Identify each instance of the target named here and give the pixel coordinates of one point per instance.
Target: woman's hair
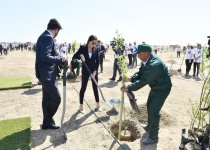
(91, 38)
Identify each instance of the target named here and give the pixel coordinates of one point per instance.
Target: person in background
(208, 55)
(134, 64)
(75, 64)
(153, 72)
(107, 47)
(101, 54)
(63, 49)
(116, 68)
(178, 51)
(5, 48)
(89, 55)
(197, 60)
(129, 53)
(155, 49)
(1, 48)
(46, 63)
(188, 59)
(69, 48)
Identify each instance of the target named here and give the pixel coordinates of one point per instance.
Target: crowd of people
(5, 47)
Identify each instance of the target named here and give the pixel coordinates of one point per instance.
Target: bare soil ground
(84, 132)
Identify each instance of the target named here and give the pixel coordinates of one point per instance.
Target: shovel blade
(132, 101)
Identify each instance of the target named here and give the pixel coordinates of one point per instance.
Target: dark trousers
(196, 67)
(178, 54)
(155, 102)
(134, 64)
(130, 59)
(115, 69)
(50, 101)
(188, 63)
(155, 51)
(5, 51)
(1, 51)
(59, 70)
(101, 61)
(85, 78)
(101, 66)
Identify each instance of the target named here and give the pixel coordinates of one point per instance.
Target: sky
(160, 22)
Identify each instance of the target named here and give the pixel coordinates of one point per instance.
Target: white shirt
(189, 53)
(130, 47)
(63, 49)
(5, 45)
(90, 55)
(134, 48)
(178, 49)
(197, 55)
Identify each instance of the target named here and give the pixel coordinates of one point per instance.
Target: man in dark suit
(46, 67)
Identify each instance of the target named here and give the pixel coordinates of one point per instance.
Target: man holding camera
(154, 73)
(46, 65)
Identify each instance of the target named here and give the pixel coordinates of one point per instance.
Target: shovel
(133, 103)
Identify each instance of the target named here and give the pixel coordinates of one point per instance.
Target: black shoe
(120, 79)
(149, 141)
(113, 79)
(54, 127)
(52, 121)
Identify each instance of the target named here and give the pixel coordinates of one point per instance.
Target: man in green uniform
(154, 73)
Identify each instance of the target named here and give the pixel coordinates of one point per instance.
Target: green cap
(143, 48)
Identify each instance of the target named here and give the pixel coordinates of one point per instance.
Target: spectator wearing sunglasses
(89, 55)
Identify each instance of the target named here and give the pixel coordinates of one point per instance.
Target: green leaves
(74, 45)
(123, 65)
(198, 116)
(118, 42)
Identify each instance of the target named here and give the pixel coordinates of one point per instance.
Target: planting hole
(130, 131)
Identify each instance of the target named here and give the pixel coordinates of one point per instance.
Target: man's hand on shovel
(124, 89)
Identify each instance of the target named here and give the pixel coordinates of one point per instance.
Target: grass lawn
(15, 82)
(15, 134)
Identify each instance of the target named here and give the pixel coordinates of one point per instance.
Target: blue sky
(153, 21)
